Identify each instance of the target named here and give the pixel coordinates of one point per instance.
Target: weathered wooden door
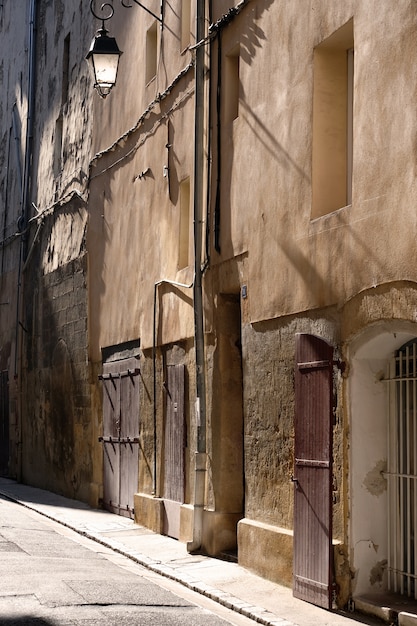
(174, 444)
(4, 423)
(120, 435)
(313, 471)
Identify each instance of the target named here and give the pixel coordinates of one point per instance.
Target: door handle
(295, 481)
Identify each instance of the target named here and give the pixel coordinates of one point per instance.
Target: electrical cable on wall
(142, 118)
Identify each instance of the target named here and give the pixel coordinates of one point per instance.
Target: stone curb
(257, 614)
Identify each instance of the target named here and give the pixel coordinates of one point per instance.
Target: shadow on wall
(56, 403)
(251, 39)
(252, 36)
(25, 620)
(322, 275)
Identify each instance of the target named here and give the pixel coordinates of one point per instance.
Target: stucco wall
(269, 148)
(134, 231)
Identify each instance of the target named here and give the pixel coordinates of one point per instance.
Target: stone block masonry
(57, 407)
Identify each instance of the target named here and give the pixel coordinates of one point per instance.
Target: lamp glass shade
(104, 59)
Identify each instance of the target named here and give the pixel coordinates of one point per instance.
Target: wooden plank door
(174, 443)
(111, 434)
(129, 437)
(313, 569)
(120, 435)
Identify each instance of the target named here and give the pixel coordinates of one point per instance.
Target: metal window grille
(402, 471)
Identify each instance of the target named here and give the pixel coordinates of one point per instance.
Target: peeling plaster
(377, 572)
(375, 481)
(66, 240)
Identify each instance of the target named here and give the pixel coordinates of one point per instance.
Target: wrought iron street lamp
(104, 52)
(104, 55)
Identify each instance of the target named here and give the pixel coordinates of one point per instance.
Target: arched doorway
(373, 407)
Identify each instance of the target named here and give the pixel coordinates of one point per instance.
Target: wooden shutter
(174, 446)
(313, 471)
(174, 434)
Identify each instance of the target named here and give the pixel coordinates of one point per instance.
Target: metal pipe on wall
(199, 167)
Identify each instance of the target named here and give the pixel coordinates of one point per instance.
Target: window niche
(184, 230)
(151, 52)
(65, 69)
(332, 152)
(58, 162)
(185, 24)
(232, 86)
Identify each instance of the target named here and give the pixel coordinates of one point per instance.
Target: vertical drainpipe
(200, 405)
(25, 200)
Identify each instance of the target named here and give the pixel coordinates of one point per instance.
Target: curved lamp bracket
(105, 5)
(126, 5)
(129, 6)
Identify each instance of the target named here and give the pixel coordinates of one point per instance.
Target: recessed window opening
(332, 152)
(349, 126)
(184, 234)
(58, 146)
(402, 472)
(65, 69)
(151, 52)
(185, 23)
(232, 84)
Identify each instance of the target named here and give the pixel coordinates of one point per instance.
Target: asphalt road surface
(51, 576)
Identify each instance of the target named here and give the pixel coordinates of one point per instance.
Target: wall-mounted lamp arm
(129, 6)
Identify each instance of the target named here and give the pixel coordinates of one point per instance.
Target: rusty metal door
(4, 423)
(174, 445)
(120, 435)
(313, 569)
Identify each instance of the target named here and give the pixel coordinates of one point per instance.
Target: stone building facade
(45, 121)
(208, 294)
